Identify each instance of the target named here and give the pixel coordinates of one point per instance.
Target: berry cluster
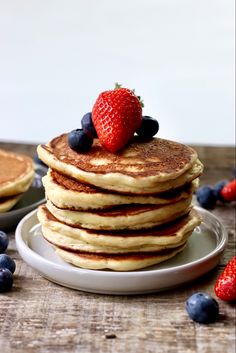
(115, 117)
(223, 191)
(7, 265)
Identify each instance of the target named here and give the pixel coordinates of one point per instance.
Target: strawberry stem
(141, 101)
(118, 85)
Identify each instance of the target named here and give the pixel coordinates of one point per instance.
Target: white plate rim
(21, 244)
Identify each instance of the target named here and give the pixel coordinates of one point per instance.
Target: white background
(56, 56)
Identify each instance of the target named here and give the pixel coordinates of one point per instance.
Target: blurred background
(56, 56)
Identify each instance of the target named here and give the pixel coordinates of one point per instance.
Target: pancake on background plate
(7, 203)
(16, 176)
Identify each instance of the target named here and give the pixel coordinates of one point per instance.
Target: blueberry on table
(79, 140)
(6, 280)
(87, 124)
(217, 189)
(148, 128)
(4, 241)
(7, 262)
(206, 197)
(202, 308)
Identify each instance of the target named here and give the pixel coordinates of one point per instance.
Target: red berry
(229, 191)
(116, 115)
(225, 287)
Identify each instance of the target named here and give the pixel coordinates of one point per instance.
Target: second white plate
(201, 254)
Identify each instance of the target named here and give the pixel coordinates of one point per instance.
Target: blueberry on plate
(6, 280)
(7, 262)
(87, 124)
(4, 241)
(148, 128)
(79, 140)
(217, 189)
(206, 197)
(202, 308)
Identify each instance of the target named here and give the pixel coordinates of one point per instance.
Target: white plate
(202, 253)
(31, 199)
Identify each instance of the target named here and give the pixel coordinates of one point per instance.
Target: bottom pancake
(7, 203)
(118, 262)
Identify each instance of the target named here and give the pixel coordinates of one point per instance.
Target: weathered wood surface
(39, 316)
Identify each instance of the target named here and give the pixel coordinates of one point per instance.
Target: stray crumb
(110, 335)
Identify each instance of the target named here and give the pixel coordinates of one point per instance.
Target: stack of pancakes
(122, 211)
(16, 175)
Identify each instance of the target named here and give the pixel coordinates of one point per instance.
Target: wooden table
(40, 316)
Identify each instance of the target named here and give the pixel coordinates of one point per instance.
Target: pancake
(123, 217)
(71, 244)
(117, 262)
(7, 203)
(65, 192)
(123, 211)
(16, 173)
(143, 167)
(139, 249)
(166, 235)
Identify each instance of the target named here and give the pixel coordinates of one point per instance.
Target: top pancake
(16, 173)
(138, 168)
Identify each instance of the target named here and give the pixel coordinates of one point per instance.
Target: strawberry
(116, 115)
(225, 287)
(229, 191)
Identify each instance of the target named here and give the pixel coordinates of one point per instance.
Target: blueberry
(79, 141)
(202, 308)
(206, 197)
(148, 128)
(7, 262)
(4, 241)
(6, 280)
(217, 189)
(87, 124)
(37, 160)
(234, 172)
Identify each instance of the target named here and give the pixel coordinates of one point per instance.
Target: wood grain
(38, 316)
